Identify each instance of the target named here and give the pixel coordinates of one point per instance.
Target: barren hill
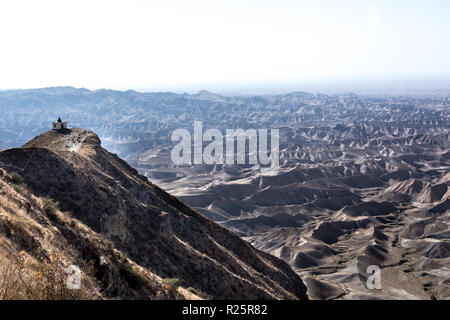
(63, 195)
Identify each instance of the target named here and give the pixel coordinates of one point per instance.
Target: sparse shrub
(49, 205)
(133, 278)
(17, 188)
(173, 283)
(108, 243)
(16, 178)
(192, 290)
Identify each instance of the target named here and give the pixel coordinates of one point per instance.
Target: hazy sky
(192, 44)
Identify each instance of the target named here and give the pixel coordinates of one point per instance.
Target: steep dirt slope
(111, 215)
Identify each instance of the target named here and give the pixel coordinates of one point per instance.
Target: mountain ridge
(155, 231)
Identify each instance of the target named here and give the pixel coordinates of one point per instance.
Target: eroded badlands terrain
(363, 180)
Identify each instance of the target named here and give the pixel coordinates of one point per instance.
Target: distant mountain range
(131, 121)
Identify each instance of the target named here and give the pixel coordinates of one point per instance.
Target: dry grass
(49, 206)
(35, 255)
(23, 276)
(23, 279)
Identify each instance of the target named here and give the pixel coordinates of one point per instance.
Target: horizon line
(341, 86)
